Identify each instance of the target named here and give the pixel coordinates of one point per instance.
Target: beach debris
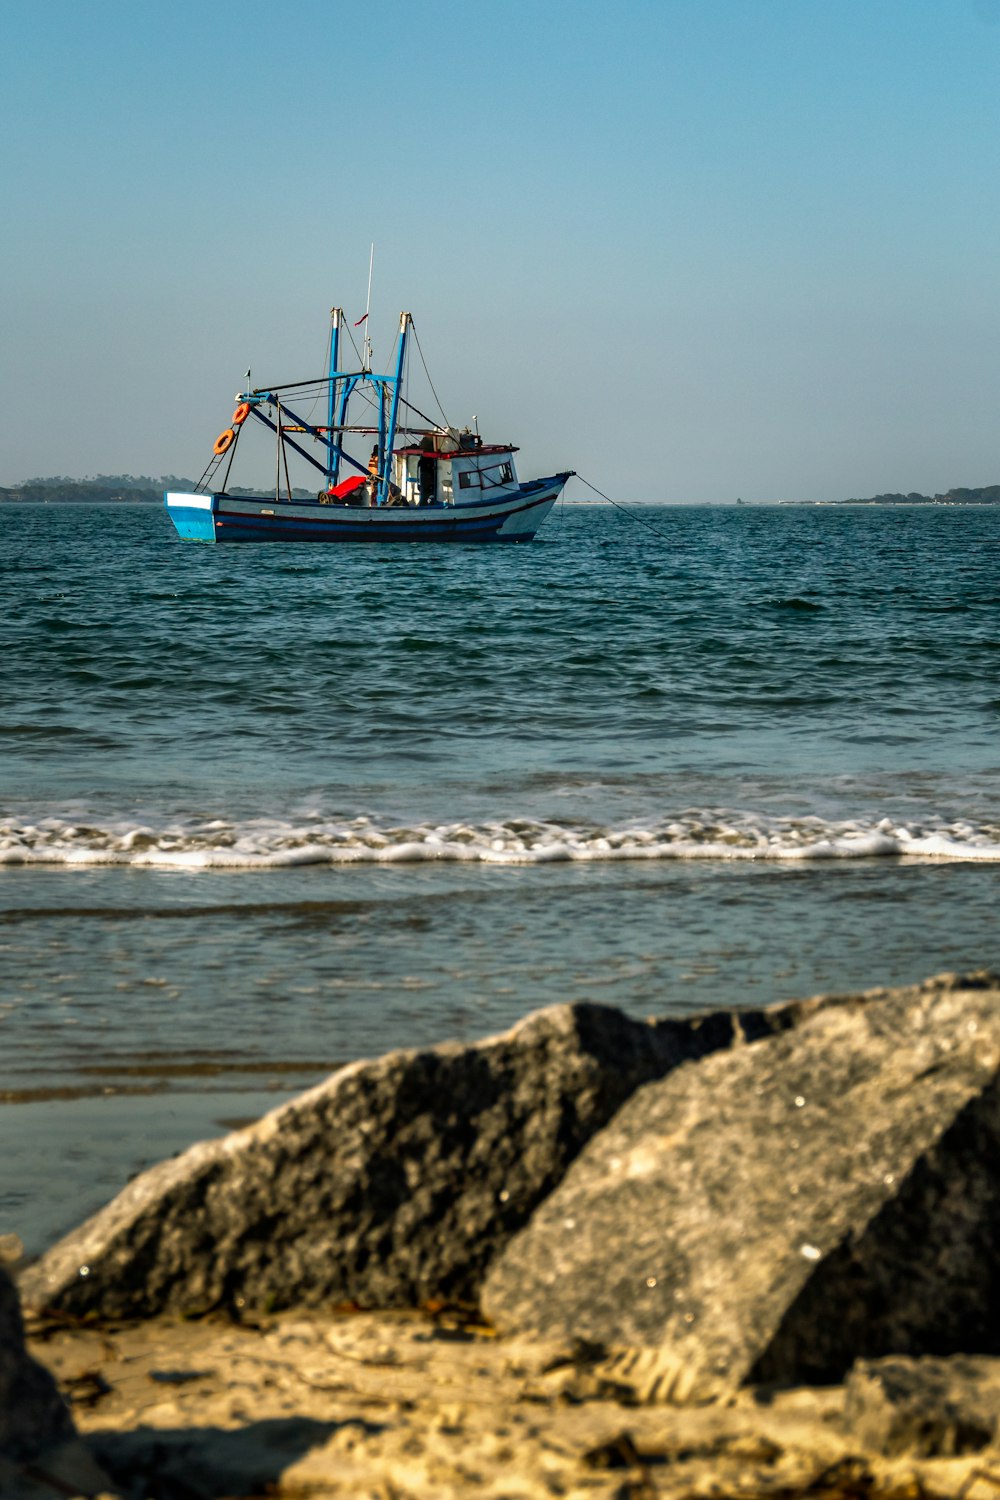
(86, 1388)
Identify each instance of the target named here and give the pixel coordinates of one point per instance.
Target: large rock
(930, 1408)
(32, 1413)
(395, 1181)
(772, 1212)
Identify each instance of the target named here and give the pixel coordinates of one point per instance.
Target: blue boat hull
(256, 518)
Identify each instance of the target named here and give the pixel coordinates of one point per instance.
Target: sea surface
(265, 809)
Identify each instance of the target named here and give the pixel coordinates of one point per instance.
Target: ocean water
(265, 809)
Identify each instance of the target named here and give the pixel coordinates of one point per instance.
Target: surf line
(624, 509)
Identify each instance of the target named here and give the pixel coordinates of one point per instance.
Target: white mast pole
(368, 308)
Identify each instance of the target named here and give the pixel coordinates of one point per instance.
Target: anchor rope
(624, 508)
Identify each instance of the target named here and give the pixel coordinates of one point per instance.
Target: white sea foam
(710, 834)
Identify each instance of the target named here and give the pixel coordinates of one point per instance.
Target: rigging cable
(427, 372)
(320, 391)
(630, 513)
(350, 334)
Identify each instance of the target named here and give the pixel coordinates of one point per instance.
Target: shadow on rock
(208, 1463)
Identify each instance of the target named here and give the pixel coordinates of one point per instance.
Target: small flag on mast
(360, 321)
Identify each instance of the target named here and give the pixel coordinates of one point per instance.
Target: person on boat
(370, 494)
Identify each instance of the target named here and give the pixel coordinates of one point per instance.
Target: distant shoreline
(127, 489)
(887, 504)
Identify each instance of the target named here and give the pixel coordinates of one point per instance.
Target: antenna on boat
(368, 308)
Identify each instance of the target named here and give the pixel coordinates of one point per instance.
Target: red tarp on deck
(348, 486)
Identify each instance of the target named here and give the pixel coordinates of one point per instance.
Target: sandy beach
(428, 1404)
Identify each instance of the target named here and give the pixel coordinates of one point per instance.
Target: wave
(697, 834)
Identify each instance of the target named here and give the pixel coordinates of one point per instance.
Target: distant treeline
(102, 490)
(989, 494)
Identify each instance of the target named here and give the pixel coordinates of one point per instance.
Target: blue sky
(693, 249)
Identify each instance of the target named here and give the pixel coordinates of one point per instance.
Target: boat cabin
(449, 466)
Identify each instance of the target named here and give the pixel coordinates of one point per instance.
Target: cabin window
(506, 473)
(467, 481)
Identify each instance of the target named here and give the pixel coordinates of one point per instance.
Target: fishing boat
(421, 481)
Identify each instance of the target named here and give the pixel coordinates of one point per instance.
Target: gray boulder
(395, 1181)
(32, 1413)
(772, 1212)
(929, 1408)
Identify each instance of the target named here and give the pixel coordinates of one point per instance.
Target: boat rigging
(421, 480)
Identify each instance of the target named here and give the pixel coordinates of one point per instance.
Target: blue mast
(332, 449)
(340, 385)
(386, 440)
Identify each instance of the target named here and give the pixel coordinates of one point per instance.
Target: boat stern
(193, 515)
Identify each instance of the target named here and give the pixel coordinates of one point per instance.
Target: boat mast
(277, 452)
(387, 439)
(332, 453)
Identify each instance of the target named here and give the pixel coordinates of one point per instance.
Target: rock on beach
(396, 1181)
(773, 1212)
(935, 1408)
(32, 1413)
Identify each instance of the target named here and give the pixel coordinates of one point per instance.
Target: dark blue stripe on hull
(285, 529)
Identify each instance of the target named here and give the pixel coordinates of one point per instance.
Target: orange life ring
(224, 441)
(241, 413)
